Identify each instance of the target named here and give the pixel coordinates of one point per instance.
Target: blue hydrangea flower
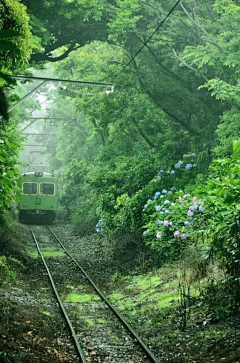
(157, 195)
(99, 230)
(159, 178)
(166, 201)
(100, 222)
(193, 155)
(186, 223)
(183, 236)
(195, 206)
(166, 211)
(190, 213)
(177, 166)
(201, 209)
(158, 208)
(159, 222)
(188, 166)
(172, 171)
(164, 191)
(159, 234)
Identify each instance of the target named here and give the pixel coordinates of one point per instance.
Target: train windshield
(30, 188)
(47, 188)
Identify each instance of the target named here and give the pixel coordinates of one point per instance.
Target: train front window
(30, 188)
(47, 188)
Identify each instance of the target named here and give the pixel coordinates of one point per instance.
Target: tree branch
(212, 41)
(155, 99)
(149, 142)
(99, 132)
(188, 65)
(165, 70)
(42, 57)
(204, 77)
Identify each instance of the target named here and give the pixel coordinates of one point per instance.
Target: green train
(39, 198)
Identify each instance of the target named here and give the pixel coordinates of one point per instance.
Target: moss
(46, 313)
(102, 321)
(144, 282)
(33, 254)
(54, 254)
(116, 296)
(47, 252)
(89, 322)
(81, 298)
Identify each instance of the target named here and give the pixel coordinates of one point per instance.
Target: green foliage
(126, 15)
(227, 132)
(9, 149)
(222, 205)
(15, 35)
(15, 51)
(57, 29)
(6, 275)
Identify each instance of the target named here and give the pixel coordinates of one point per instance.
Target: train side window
(47, 188)
(29, 188)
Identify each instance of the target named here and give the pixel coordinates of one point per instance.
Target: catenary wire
(149, 38)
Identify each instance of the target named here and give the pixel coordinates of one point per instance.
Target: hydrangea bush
(131, 213)
(170, 221)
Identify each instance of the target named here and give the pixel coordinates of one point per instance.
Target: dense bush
(222, 210)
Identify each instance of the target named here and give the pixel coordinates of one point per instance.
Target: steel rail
(148, 352)
(77, 345)
(5, 359)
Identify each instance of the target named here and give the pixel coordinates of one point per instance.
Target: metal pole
(33, 145)
(26, 96)
(96, 84)
(30, 133)
(31, 123)
(22, 99)
(43, 118)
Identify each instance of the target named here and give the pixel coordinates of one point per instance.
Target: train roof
(42, 174)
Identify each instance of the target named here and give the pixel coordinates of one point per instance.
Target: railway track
(99, 332)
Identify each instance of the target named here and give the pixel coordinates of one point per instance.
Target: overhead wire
(149, 38)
